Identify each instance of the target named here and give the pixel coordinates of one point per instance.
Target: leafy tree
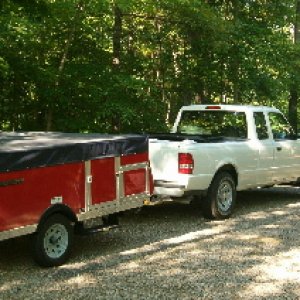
(127, 66)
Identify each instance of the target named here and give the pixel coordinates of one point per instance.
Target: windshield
(213, 123)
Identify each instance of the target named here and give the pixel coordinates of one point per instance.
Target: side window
(281, 129)
(261, 126)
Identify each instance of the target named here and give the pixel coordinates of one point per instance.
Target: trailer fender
(58, 209)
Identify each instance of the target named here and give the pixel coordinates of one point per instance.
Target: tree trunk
(62, 63)
(117, 35)
(116, 56)
(236, 61)
(293, 101)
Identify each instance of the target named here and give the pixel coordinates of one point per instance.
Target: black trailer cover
(23, 150)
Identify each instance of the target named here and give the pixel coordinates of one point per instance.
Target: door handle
(278, 148)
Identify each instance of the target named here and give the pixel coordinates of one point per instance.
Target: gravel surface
(169, 251)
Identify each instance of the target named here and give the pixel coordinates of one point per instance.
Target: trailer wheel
(221, 197)
(53, 241)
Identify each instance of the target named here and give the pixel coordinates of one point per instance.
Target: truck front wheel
(221, 197)
(53, 240)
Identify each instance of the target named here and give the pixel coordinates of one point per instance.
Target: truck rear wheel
(221, 197)
(53, 241)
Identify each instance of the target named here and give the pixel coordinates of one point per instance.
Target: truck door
(285, 148)
(265, 147)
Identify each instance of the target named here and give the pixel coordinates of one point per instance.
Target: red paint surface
(134, 158)
(134, 182)
(24, 203)
(104, 180)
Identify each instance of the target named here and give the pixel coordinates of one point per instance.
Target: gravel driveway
(169, 251)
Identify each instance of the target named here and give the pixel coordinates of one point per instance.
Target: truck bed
(178, 137)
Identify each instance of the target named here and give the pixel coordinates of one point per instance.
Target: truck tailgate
(164, 159)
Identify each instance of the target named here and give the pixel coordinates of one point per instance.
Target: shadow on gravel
(169, 251)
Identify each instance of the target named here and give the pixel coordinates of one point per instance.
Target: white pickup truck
(215, 150)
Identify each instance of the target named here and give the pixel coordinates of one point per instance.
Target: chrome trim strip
(148, 170)
(115, 206)
(121, 203)
(119, 178)
(12, 233)
(88, 187)
(9, 182)
(131, 167)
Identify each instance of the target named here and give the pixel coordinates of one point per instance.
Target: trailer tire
(53, 241)
(221, 197)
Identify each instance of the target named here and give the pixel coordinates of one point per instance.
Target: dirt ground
(169, 251)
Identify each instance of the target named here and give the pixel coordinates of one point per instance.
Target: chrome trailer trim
(88, 182)
(12, 233)
(122, 202)
(114, 206)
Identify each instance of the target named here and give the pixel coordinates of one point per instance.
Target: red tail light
(185, 163)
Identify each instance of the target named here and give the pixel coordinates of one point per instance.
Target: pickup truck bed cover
(23, 150)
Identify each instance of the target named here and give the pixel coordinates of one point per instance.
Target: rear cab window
(214, 123)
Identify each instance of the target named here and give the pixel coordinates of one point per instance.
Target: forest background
(129, 65)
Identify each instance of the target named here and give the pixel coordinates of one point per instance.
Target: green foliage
(72, 65)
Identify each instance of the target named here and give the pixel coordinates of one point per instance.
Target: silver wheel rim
(225, 196)
(56, 241)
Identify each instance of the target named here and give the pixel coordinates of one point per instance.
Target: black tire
(53, 241)
(221, 197)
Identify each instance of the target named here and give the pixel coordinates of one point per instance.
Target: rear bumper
(173, 189)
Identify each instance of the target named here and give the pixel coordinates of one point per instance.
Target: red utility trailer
(53, 185)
